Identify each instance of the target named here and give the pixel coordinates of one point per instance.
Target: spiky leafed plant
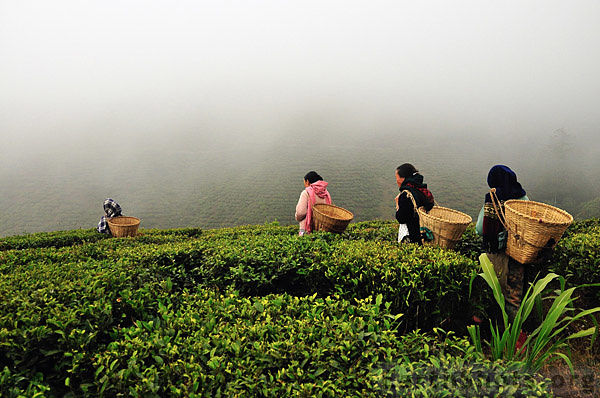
(545, 342)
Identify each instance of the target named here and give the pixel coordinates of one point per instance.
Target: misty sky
(184, 102)
(80, 73)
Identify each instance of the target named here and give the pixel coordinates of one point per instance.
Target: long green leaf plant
(545, 342)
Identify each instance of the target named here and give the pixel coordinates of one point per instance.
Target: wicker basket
(331, 218)
(530, 227)
(123, 226)
(447, 225)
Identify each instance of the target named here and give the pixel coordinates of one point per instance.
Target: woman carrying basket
(315, 192)
(412, 192)
(503, 186)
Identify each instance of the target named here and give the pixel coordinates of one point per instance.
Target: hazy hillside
(226, 182)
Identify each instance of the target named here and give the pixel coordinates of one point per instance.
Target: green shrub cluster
(232, 311)
(379, 231)
(427, 284)
(386, 232)
(227, 345)
(53, 318)
(582, 226)
(576, 256)
(60, 239)
(470, 243)
(234, 346)
(51, 239)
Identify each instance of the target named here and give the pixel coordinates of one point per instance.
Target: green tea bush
(60, 239)
(380, 231)
(582, 226)
(53, 316)
(385, 231)
(51, 239)
(452, 376)
(175, 232)
(101, 249)
(16, 385)
(470, 243)
(576, 256)
(228, 345)
(440, 364)
(271, 229)
(427, 284)
(300, 310)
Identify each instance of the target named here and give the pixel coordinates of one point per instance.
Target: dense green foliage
(51, 239)
(252, 309)
(576, 256)
(545, 342)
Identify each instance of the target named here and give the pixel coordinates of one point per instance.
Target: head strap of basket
(500, 211)
(412, 199)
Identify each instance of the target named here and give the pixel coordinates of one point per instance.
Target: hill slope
(248, 310)
(245, 182)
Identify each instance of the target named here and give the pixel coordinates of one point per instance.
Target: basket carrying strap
(310, 206)
(499, 211)
(412, 199)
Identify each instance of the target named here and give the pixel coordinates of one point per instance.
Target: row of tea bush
(184, 312)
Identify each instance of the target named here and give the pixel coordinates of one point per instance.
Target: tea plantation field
(253, 311)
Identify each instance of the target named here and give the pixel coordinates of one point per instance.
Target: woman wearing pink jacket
(315, 192)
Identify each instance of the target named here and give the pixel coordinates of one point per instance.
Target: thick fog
(164, 104)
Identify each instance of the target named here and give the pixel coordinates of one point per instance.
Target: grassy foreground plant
(544, 342)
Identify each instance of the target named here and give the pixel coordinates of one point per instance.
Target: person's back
(315, 192)
(412, 187)
(505, 185)
(512, 274)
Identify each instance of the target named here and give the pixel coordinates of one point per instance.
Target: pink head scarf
(315, 189)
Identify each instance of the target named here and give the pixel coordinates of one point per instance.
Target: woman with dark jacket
(410, 183)
(504, 181)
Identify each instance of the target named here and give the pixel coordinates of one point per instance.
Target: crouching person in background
(111, 209)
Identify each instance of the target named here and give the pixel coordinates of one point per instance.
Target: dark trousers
(516, 280)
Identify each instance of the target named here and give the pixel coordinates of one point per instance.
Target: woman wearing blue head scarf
(489, 225)
(504, 180)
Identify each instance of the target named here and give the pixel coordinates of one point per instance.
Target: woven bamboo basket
(531, 225)
(447, 225)
(123, 226)
(331, 218)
